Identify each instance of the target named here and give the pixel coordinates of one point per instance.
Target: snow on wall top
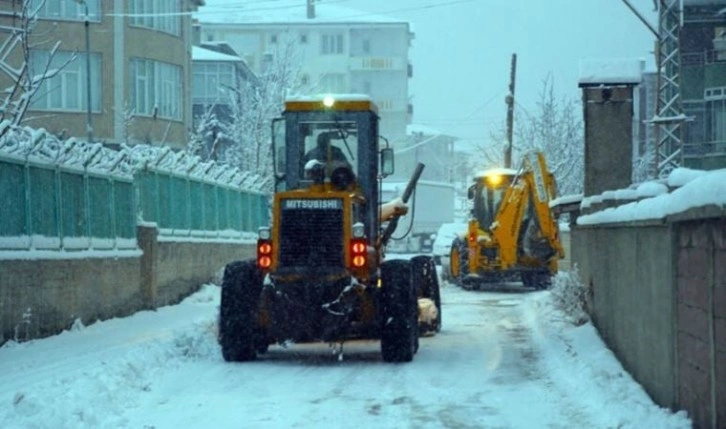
(201, 54)
(284, 12)
(612, 71)
(697, 190)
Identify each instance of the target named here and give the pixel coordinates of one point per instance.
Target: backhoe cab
(512, 233)
(320, 274)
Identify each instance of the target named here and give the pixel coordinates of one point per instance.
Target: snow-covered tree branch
(555, 128)
(16, 64)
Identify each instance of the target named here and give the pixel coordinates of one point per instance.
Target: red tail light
(358, 253)
(264, 254)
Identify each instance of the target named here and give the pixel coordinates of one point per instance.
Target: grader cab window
(327, 146)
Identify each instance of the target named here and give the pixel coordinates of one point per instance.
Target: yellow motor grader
(512, 233)
(320, 272)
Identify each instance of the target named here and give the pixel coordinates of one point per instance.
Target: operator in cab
(323, 149)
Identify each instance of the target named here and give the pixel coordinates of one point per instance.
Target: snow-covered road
(502, 360)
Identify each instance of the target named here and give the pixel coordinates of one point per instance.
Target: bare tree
(253, 109)
(16, 63)
(555, 128)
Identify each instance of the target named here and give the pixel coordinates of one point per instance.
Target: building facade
(140, 69)
(702, 41)
(331, 49)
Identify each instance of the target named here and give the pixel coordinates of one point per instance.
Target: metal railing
(71, 195)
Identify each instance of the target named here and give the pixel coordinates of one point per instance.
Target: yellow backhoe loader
(512, 234)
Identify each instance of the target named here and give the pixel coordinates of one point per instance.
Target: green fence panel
(100, 202)
(164, 188)
(210, 207)
(124, 205)
(196, 198)
(246, 213)
(148, 195)
(74, 218)
(179, 203)
(235, 211)
(12, 200)
(223, 208)
(43, 202)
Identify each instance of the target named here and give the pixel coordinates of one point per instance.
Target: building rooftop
(201, 54)
(284, 12)
(613, 71)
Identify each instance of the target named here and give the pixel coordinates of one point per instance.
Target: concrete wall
(629, 271)
(701, 320)
(658, 299)
(41, 297)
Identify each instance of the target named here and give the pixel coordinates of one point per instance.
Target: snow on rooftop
(201, 54)
(422, 129)
(611, 71)
(698, 190)
(337, 97)
(284, 12)
(500, 171)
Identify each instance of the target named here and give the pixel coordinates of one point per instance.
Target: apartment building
(702, 41)
(220, 78)
(333, 49)
(140, 68)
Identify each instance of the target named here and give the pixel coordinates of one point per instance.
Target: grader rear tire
(399, 331)
(238, 312)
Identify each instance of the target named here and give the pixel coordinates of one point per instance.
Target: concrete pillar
(147, 239)
(608, 137)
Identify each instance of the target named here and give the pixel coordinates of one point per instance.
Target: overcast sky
(462, 51)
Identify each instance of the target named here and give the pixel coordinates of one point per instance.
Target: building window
(304, 80)
(333, 82)
(303, 38)
(716, 113)
(273, 39)
(212, 82)
(367, 87)
(331, 44)
(67, 90)
(366, 46)
(156, 89)
(67, 9)
(161, 15)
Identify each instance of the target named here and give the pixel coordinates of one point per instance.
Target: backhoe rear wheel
(399, 331)
(426, 280)
(459, 261)
(538, 280)
(239, 334)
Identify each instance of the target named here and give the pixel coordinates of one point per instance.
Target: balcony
(377, 64)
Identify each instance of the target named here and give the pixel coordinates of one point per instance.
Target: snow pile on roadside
(88, 377)
(570, 296)
(576, 353)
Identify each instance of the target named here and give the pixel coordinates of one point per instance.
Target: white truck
(431, 206)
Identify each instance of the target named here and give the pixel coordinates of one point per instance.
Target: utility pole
(509, 100)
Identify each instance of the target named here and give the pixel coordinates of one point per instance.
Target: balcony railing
(703, 149)
(377, 63)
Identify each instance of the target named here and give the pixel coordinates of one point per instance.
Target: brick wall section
(719, 314)
(701, 307)
(694, 274)
(57, 291)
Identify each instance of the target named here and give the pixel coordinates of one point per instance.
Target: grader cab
(320, 272)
